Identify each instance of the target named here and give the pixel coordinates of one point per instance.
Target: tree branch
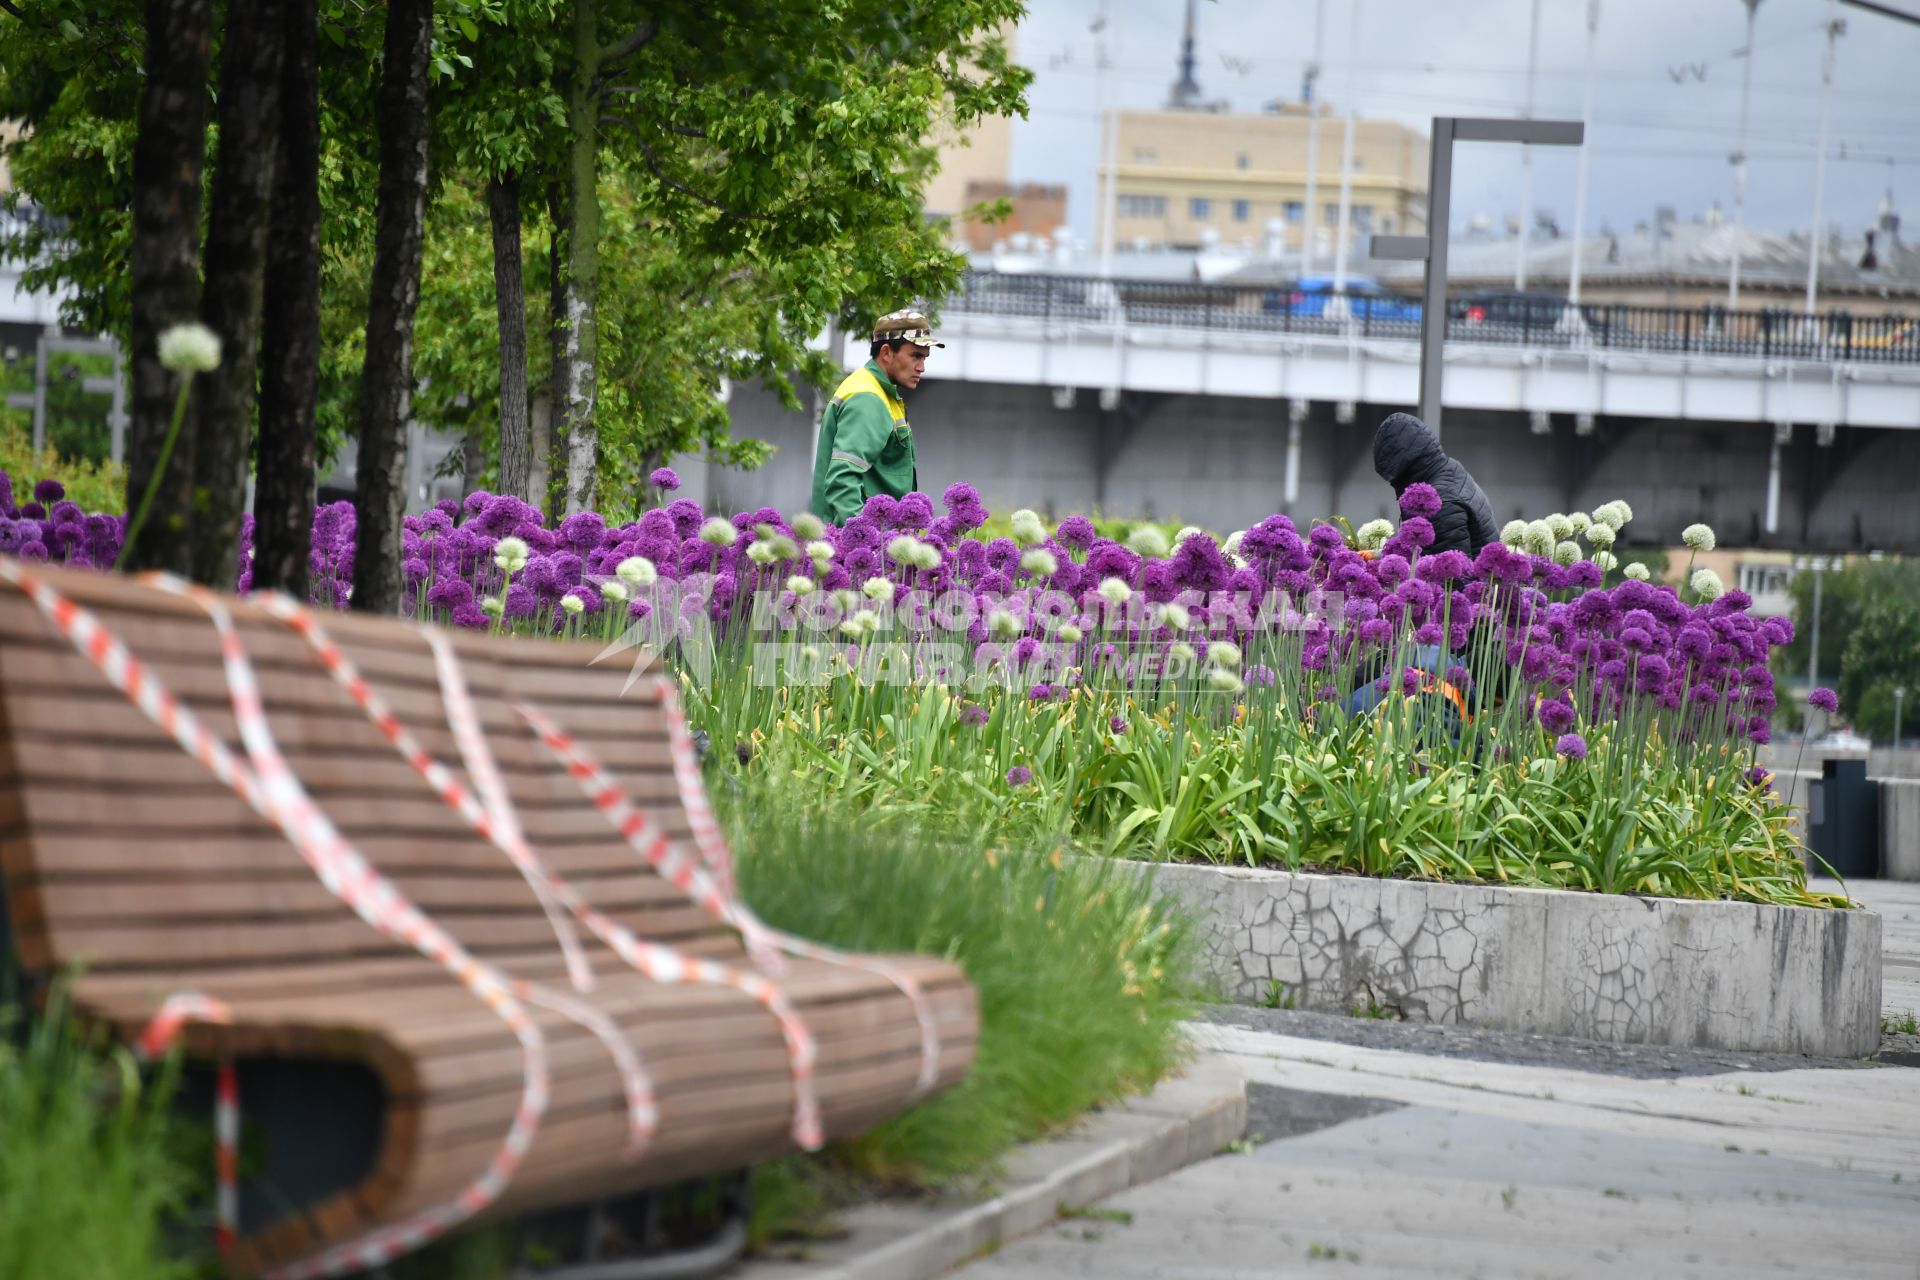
(659, 173)
(640, 38)
(13, 9)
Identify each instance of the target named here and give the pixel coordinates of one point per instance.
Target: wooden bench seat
(372, 1084)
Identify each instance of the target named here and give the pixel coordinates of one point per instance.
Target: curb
(1184, 1120)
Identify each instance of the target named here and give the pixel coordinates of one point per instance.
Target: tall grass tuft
(91, 1167)
(1083, 974)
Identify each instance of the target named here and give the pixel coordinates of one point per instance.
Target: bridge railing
(1513, 320)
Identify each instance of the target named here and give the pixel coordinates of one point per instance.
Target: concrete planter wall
(1723, 975)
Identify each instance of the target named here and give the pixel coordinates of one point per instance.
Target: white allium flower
(1707, 584)
(1040, 561)
(764, 531)
(800, 584)
(877, 589)
(1002, 622)
(1148, 541)
(1601, 535)
(926, 556)
(1224, 681)
(1114, 591)
(1540, 537)
(1186, 531)
(1514, 533)
(783, 548)
(1699, 537)
(1580, 521)
(1224, 653)
(1561, 526)
(614, 591)
(1606, 560)
(1176, 616)
(1373, 534)
(1028, 528)
(1182, 652)
(845, 600)
(863, 623)
(510, 554)
(1612, 514)
(718, 531)
(1069, 634)
(807, 526)
(1626, 512)
(1637, 571)
(761, 553)
(190, 348)
(572, 604)
(637, 571)
(1232, 545)
(493, 606)
(900, 549)
(1566, 553)
(819, 552)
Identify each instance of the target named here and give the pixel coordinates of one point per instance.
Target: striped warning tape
(670, 861)
(270, 789)
(661, 963)
(176, 1011)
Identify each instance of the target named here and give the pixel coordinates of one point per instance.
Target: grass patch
(1900, 1024)
(1082, 977)
(95, 1169)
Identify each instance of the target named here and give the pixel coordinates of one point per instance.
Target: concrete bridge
(1220, 404)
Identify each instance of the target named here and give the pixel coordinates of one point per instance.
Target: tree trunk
(290, 325)
(510, 306)
(583, 264)
(386, 381)
(559, 336)
(235, 266)
(165, 276)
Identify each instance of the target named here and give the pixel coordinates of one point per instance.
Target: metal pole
(1346, 156)
(1526, 154)
(1310, 213)
(1433, 309)
(1816, 238)
(1813, 639)
(1580, 183)
(117, 415)
(1740, 160)
(1109, 150)
(1899, 696)
(40, 389)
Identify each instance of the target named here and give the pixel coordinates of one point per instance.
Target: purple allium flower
(1759, 777)
(880, 509)
(450, 594)
(49, 490)
(33, 511)
(1410, 681)
(1824, 699)
(470, 617)
(1040, 692)
(960, 495)
(1019, 776)
(1326, 693)
(1420, 500)
(975, 714)
(1571, 745)
(915, 511)
(1076, 533)
(1117, 723)
(1260, 674)
(665, 478)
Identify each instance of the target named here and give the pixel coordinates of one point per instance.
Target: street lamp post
(1899, 696)
(1432, 247)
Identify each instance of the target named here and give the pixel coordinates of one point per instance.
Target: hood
(1405, 450)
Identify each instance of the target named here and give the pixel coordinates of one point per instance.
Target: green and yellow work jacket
(866, 446)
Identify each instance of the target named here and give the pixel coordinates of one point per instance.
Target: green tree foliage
(1869, 639)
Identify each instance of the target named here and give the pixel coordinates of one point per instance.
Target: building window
(1143, 206)
(1240, 161)
(1764, 579)
(1240, 210)
(1291, 210)
(1363, 217)
(1199, 208)
(1330, 214)
(1144, 155)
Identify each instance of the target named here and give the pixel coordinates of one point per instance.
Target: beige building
(1182, 174)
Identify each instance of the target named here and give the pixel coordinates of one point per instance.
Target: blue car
(1366, 300)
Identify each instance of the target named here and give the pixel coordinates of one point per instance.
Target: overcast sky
(1666, 97)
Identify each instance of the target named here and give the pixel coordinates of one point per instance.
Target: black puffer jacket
(1405, 452)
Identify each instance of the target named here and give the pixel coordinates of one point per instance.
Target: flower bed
(1320, 699)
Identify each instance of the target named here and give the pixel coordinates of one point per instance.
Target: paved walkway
(1385, 1162)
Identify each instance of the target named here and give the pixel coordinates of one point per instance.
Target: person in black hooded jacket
(1406, 452)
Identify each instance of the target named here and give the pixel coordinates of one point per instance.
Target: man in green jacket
(866, 444)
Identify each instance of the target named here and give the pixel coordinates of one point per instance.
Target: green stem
(159, 470)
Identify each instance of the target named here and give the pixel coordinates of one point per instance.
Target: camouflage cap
(908, 325)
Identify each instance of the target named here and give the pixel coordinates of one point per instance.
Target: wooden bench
(374, 1086)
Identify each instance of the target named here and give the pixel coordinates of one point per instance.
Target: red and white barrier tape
(270, 789)
(652, 845)
(161, 1031)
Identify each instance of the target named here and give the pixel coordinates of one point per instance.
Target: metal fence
(1505, 319)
